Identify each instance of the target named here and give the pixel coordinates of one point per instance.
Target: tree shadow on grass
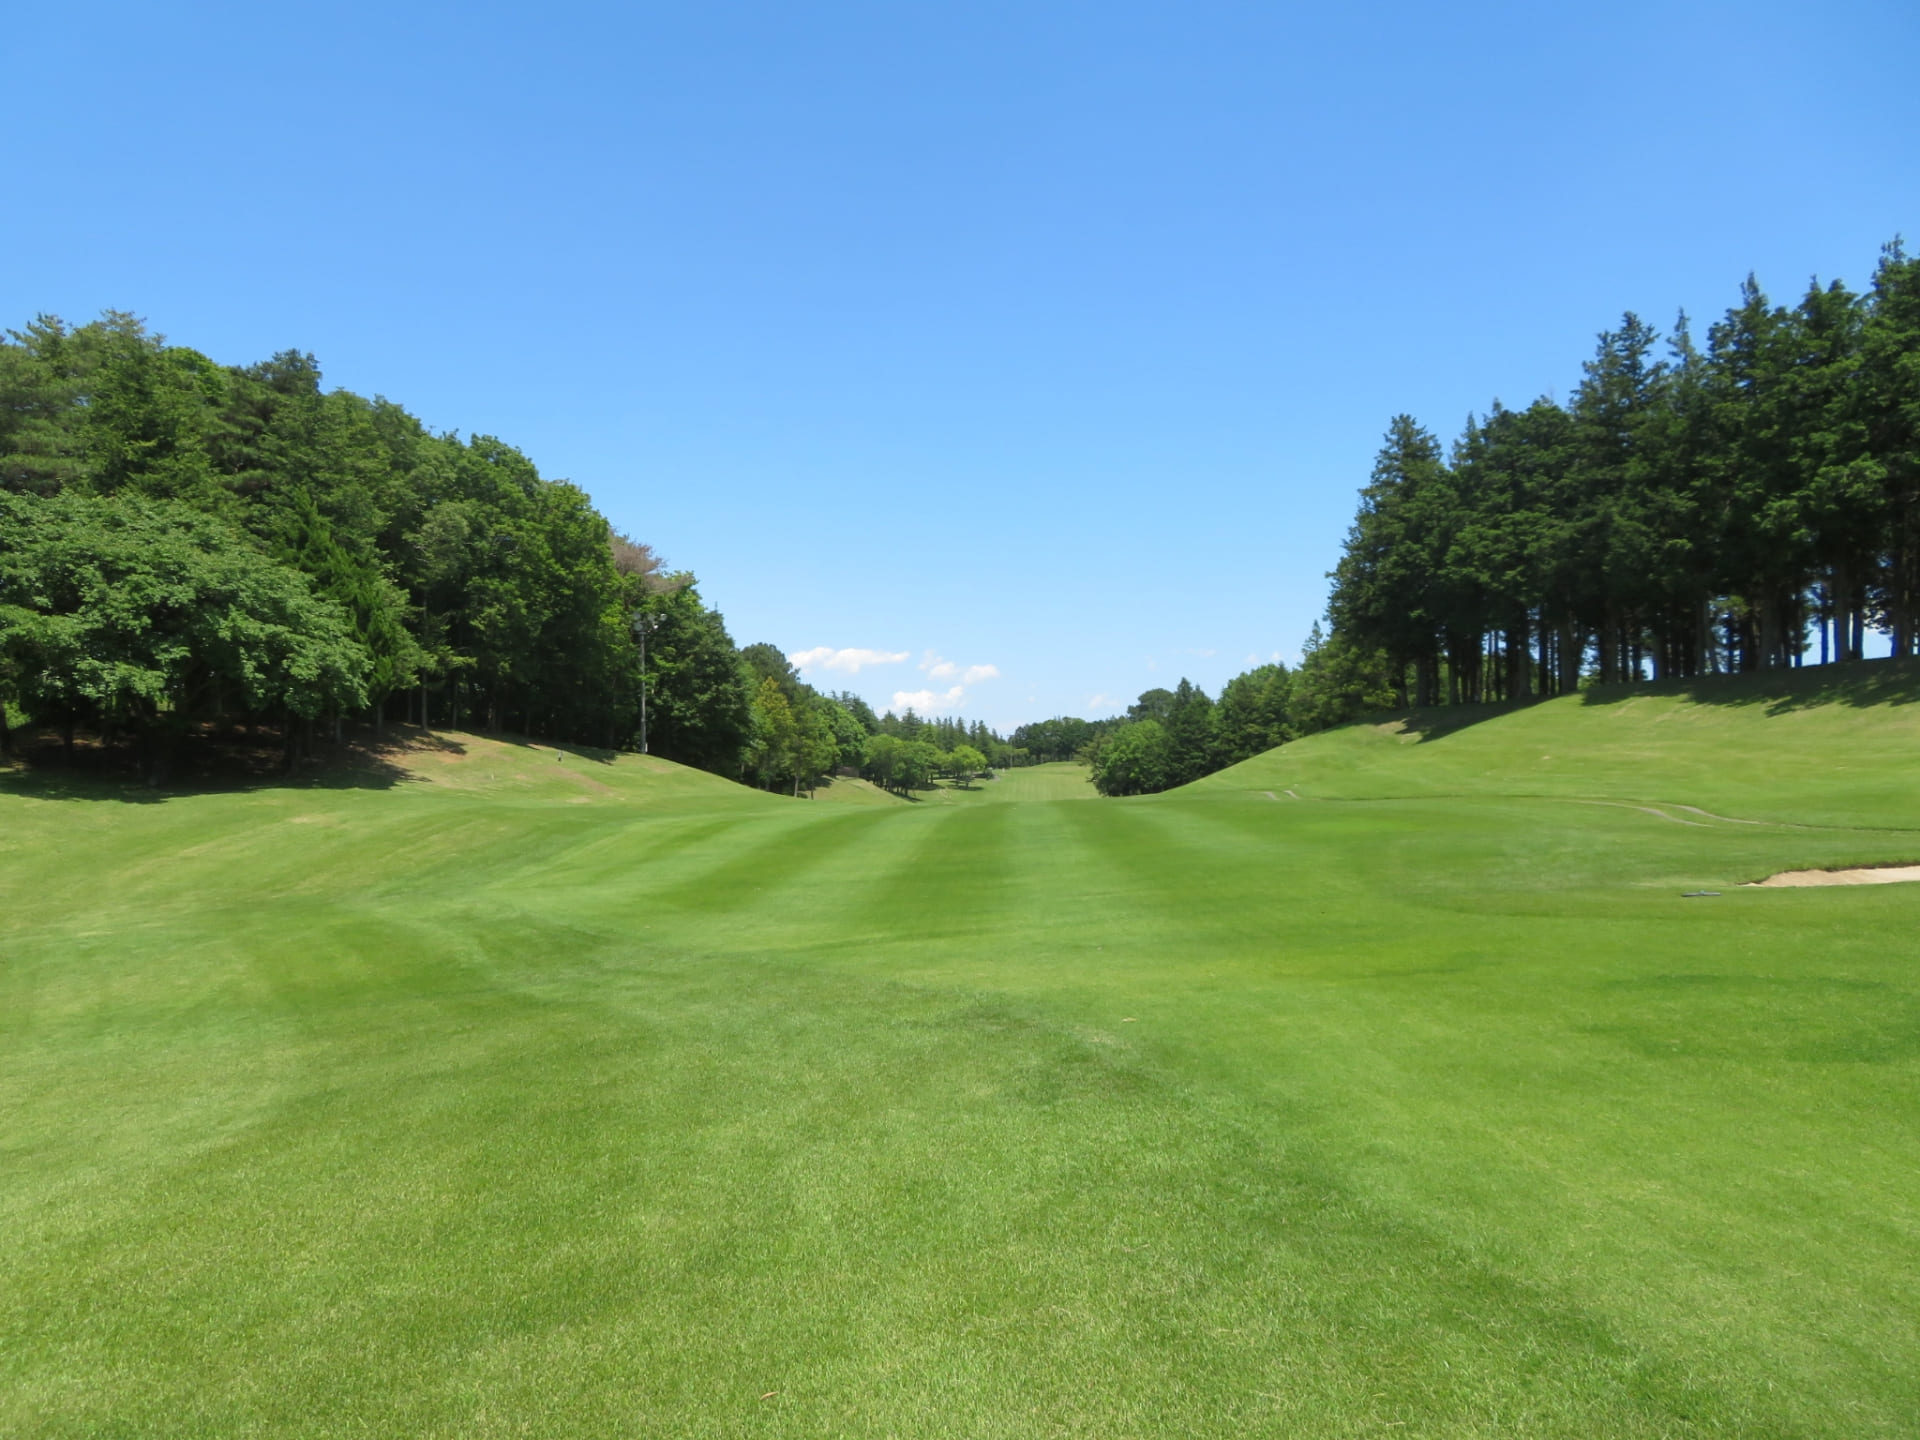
(1859, 684)
(212, 763)
(1436, 724)
(1856, 683)
(591, 753)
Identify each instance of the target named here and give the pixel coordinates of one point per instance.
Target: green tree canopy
(141, 616)
(1134, 759)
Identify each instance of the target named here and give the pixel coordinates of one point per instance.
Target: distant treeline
(1722, 509)
(188, 547)
(1171, 737)
(801, 736)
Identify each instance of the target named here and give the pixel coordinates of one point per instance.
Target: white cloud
(850, 662)
(1099, 702)
(927, 702)
(938, 667)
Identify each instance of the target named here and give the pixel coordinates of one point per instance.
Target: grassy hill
(1384, 1084)
(1829, 745)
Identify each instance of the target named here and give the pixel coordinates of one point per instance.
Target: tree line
(1689, 510)
(802, 736)
(1172, 737)
(1707, 509)
(189, 547)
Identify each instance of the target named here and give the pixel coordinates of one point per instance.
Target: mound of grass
(1827, 745)
(510, 1091)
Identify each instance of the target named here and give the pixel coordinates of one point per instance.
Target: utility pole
(642, 627)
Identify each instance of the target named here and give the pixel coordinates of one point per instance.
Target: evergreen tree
(1191, 737)
(1253, 713)
(1889, 411)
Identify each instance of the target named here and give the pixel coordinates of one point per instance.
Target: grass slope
(495, 1090)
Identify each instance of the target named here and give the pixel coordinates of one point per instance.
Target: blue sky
(1045, 340)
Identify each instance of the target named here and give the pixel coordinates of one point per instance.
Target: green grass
(507, 1091)
(1030, 782)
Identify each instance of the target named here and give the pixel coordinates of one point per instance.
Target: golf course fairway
(1391, 1083)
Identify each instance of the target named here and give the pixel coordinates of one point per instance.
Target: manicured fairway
(1382, 1085)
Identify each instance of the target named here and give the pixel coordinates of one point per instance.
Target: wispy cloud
(847, 662)
(1099, 702)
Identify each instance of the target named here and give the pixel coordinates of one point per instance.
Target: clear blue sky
(1051, 338)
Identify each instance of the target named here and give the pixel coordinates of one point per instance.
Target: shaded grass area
(1826, 745)
(495, 1103)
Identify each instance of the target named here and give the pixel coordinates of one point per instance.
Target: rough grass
(495, 1090)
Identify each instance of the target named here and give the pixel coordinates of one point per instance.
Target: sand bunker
(1881, 875)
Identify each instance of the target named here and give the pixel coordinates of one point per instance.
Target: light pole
(642, 627)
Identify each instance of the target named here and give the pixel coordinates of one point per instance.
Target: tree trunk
(1519, 663)
(1773, 633)
(156, 761)
(1899, 608)
(1838, 601)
